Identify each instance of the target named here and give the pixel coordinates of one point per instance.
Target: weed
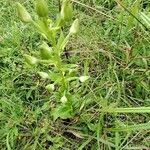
(62, 75)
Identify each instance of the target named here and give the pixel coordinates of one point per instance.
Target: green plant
(62, 75)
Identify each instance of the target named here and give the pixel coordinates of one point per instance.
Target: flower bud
(64, 99)
(66, 10)
(50, 87)
(45, 51)
(41, 8)
(75, 27)
(44, 75)
(83, 78)
(30, 60)
(23, 14)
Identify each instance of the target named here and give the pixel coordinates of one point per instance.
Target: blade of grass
(7, 142)
(85, 143)
(145, 19)
(127, 110)
(125, 140)
(120, 3)
(143, 126)
(99, 129)
(105, 142)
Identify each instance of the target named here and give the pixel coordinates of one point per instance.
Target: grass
(113, 46)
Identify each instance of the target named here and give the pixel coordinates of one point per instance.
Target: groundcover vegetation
(74, 74)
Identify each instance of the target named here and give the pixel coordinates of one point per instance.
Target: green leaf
(41, 27)
(64, 43)
(60, 40)
(54, 76)
(69, 67)
(63, 111)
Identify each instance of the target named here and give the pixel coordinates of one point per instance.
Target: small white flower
(30, 60)
(50, 87)
(83, 78)
(33, 60)
(64, 99)
(44, 75)
(23, 14)
(75, 27)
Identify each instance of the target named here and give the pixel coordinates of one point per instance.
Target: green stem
(59, 68)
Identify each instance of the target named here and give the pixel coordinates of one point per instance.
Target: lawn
(91, 93)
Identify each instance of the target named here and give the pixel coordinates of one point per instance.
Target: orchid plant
(62, 76)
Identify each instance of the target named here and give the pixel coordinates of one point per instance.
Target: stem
(59, 5)
(59, 68)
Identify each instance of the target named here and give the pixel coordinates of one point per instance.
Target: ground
(113, 47)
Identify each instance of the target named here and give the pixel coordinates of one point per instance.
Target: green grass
(113, 46)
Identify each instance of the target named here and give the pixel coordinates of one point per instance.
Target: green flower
(41, 8)
(23, 14)
(75, 27)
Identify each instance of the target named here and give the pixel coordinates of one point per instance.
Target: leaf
(64, 43)
(63, 111)
(42, 27)
(54, 76)
(60, 40)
